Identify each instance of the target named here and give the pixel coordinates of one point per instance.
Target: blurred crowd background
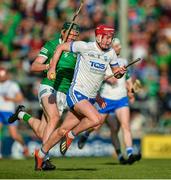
(25, 25)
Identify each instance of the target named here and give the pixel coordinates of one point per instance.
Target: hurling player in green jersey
(52, 93)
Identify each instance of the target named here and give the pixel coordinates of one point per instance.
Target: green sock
(24, 116)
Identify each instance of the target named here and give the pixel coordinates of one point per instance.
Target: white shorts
(61, 102)
(45, 90)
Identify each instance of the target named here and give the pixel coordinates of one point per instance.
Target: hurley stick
(130, 64)
(53, 75)
(73, 20)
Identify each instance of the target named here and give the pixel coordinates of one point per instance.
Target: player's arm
(130, 92)
(38, 64)
(118, 71)
(18, 98)
(62, 47)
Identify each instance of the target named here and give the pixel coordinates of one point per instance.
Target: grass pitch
(87, 168)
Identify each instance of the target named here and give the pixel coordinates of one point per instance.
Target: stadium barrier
(95, 146)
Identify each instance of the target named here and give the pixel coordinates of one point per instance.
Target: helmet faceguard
(74, 32)
(75, 27)
(102, 31)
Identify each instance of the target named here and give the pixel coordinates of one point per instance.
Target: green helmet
(75, 27)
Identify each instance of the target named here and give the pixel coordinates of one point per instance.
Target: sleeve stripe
(112, 65)
(43, 55)
(71, 46)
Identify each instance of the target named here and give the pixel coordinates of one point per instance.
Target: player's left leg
(84, 137)
(114, 127)
(123, 115)
(69, 122)
(92, 117)
(82, 106)
(51, 113)
(47, 164)
(36, 124)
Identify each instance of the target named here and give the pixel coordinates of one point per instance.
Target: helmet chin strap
(99, 40)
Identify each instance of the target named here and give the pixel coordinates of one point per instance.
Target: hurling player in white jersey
(93, 59)
(115, 93)
(9, 95)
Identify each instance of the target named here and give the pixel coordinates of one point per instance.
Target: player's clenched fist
(120, 72)
(51, 74)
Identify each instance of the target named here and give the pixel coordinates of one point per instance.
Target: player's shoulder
(49, 46)
(82, 45)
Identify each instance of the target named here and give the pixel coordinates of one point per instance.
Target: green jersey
(64, 69)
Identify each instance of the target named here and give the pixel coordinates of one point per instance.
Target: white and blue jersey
(115, 95)
(7, 89)
(89, 70)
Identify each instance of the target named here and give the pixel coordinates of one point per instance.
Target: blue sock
(129, 151)
(41, 153)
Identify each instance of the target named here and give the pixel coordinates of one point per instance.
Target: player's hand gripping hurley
(130, 64)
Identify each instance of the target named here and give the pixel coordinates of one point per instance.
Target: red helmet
(104, 29)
